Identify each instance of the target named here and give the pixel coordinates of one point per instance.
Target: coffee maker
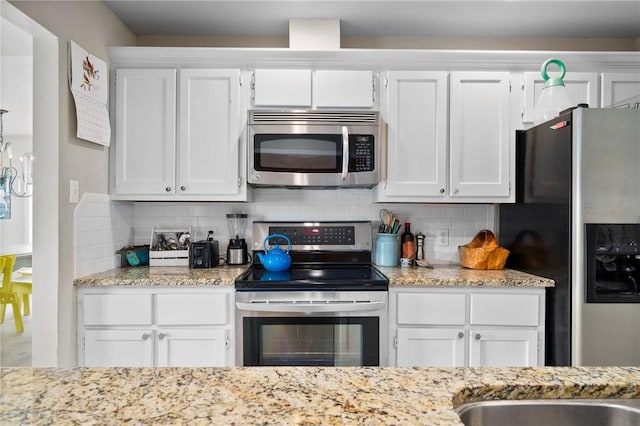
(237, 253)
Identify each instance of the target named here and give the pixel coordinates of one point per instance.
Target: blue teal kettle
(276, 259)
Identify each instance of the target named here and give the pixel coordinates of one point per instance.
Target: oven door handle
(345, 153)
(311, 307)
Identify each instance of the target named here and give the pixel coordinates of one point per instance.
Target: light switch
(74, 192)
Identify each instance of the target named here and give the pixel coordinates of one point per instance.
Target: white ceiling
(390, 18)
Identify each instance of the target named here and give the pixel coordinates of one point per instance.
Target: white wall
(462, 220)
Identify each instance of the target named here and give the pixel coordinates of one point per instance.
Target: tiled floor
(15, 348)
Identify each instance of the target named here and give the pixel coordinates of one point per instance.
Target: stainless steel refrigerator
(581, 167)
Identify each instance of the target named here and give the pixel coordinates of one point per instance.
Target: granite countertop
(288, 395)
(453, 275)
(439, 276)
(144, 276)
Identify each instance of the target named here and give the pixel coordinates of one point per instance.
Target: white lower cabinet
(161, 327)
(461, 326)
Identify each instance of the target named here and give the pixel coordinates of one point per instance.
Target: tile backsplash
(103, 226)
(461, 220)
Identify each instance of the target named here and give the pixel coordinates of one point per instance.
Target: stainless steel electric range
(328, 309)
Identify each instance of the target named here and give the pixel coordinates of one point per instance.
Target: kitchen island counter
(145, 276)
(288, 395)
(457, 276)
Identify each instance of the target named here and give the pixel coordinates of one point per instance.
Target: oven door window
(311, 341)
(307, 153)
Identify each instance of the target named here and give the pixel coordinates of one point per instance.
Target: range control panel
(314, 235)
(341, 236)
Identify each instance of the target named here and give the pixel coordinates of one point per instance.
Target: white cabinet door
(117, 309)
(192, 348)
(118, 348)
(192, 309)
(503, 348)
(282, 88)
(343, 89)
(417, 134)
(582, 87)
(145, 131)
(480, 135)
(440, 308)
(619, 88)
(424, 347)
(505, 309)
(209, 145)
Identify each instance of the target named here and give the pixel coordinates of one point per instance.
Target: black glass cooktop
(325, 277)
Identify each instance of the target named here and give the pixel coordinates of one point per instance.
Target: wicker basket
(483, 252)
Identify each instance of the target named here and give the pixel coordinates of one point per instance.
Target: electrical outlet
(443, 237)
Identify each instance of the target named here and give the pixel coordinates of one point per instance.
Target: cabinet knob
(182, 188)
(442, 190)
(161, 336)
(145, 336)
(478, 336)
(460, 335)
(168, 189)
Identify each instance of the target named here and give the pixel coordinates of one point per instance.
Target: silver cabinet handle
(182, 188)
(460, 335)
(168, 189)
(442, 190)
(145, 336)
(345, 152)
(161, 336)
(478, 336)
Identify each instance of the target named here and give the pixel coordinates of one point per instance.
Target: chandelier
(14, 181)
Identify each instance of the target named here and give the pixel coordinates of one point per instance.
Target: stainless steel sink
(552, 412)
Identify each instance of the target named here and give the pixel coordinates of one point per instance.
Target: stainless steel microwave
(314, 148)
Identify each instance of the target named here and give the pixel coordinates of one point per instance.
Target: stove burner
(314, 278)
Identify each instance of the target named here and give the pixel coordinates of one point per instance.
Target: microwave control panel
(361, 153)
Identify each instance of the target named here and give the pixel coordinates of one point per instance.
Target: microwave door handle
(345, 153)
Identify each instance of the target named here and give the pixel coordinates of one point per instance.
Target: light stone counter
(439, 276)
(144, 276)
(452, 275)
(287, 395)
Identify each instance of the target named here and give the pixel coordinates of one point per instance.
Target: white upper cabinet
(209, 132)
(344, 89)
(417, 106)
(145, 131)
(481, 138)
(582, 87)
(620, 89)
(465, 159)
(278, 88)
(205, 160)
(282, 88)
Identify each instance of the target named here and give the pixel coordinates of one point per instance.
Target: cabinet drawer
(117, 309)
(505, 309)
(434, 309)
(192, 309)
